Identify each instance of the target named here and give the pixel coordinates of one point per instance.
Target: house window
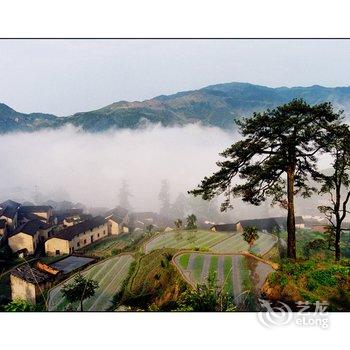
(78, 244)
(84, 241)
(98, 235)
(104, 232)
(58, 252)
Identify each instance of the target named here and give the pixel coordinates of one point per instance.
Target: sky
(64, 77)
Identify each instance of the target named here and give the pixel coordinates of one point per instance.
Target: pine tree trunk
(291, 251)
(337, 243)
(81, 305)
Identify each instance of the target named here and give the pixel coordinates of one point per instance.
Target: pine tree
(274, 158)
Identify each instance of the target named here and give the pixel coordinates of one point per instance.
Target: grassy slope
(198, 239)
(312, 281)
(305, 236)
(110, 275)
(155, 283)
(218, 242)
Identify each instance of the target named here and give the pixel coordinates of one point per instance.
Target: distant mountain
(214, 105)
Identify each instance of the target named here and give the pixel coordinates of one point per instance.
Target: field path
(221, 271)
(205, 270)
(237, 283)
(191, 262)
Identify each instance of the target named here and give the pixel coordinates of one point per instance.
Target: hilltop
(214, 105)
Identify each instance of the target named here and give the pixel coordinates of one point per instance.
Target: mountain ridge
(214, 105)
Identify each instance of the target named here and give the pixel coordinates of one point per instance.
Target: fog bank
(68, 164)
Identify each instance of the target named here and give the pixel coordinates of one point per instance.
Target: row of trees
(278, 158)
(191, 223)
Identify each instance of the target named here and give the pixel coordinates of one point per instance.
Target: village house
(9, 212)
(269, 224)
(75, 237)
(41, 212)
(3, 224)
(118, 221)
(28, 235)
(224, 227)
(28, 283)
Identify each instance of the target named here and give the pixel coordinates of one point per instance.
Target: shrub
(323, 277)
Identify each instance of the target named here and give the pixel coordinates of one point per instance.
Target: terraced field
(236, 244)
(217, 242)
(185, 240)
(110, 275)
(104, 247)
(233, 272)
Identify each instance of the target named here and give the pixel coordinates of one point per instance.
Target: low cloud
(89, 168)
(69, 164)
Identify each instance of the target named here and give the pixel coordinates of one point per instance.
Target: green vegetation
(214, 261)
(313, 280)
(235, 244)
(109, 274)
(191, 222)
(112, 245)
(210, 106)
(228, 286)
(235, 275)
(314, 244)
(155, 283)
(250, 235)
(80, 289)
(185, 239)
(206, 297)
(274, 158)
(183, 261)
(19, 305)
(197, 267)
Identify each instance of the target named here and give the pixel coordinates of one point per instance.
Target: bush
(323, 277)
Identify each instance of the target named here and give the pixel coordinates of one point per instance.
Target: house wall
(300, 225)
(68, 223)
(84, 239)
(113, 227)
(22, 289)
(54, 244)
(10, 222)
(44, 214)
(319, 228)
(2, 231)
(22, 240)
(239, 227)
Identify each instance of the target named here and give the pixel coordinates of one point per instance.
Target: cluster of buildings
(29, 230)
(269, 225)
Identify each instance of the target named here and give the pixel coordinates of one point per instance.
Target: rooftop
(70, 232)
(2, 223)
(31, 274)
(30, 228)
(35, 208)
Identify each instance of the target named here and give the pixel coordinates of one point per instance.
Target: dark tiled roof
(10, 203)
(30, 274)
(8, 212)
(2, 223)
(30, 228)
(70, 232)
(118, 213)
(35, 208)
(270, 224)
(225, 227)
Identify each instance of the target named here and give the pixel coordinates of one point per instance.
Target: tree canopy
(274, 158)
(80, 289)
